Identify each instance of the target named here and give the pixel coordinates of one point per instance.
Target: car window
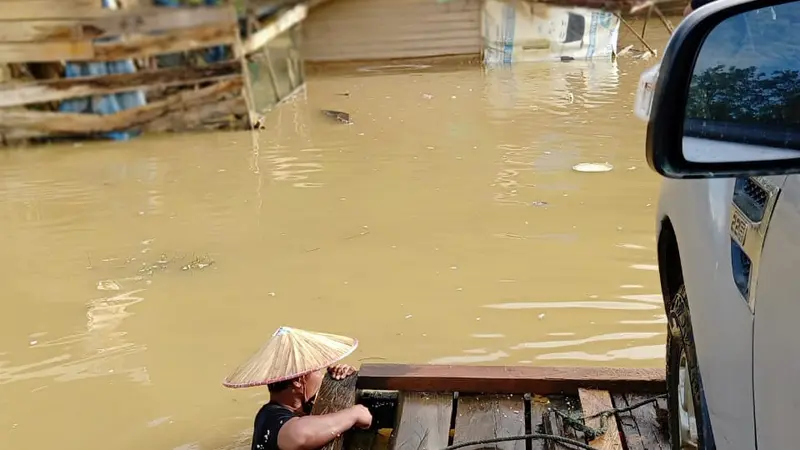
(746, 80)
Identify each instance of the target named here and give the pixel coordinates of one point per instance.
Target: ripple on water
(470, 359)
(644, 352)
(574, 342)
(565, 305)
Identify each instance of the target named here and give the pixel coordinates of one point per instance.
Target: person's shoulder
(272, 411)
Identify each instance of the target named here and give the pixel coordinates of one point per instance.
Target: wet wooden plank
(423, 421)
(110, 23)
(554, 423)
(593, 402)
(508, 379)
(72, 123)
(18, 94)
(269, 32)
(490, 416)
(47, 9)
(641, 427)
(333, 396)
(538, 409)
(138, 46)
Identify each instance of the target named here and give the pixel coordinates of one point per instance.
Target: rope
(577, 422)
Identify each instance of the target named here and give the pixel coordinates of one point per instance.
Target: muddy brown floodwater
(444, 225)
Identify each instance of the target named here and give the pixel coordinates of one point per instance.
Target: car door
(776, 333)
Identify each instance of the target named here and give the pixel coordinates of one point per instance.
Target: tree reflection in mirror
(744, 97)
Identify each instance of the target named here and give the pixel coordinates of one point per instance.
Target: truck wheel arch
(669, 262)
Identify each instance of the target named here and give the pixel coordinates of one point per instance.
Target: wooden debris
(509, 380)
(641, 425)
(593, 402)
(493, 416)
(423, 421)
(17, 94)
(333, 396)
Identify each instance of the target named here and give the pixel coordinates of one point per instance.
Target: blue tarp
(105, 104)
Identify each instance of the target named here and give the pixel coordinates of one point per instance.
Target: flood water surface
(445, 225)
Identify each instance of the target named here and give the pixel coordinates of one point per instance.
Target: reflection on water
(445, 224)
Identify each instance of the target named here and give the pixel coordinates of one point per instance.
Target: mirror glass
(744, 98)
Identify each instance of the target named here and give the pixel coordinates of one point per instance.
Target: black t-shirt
(269, 420)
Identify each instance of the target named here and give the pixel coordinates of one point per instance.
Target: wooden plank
(137, 46)
(286, 20)
(16, 94)
(179, 40)
(490, 416)
(593, 402)
(641, 427)
(116, 23)
(46, 52)
(47, 9)
(69, 123)
(423, 421)
(508, 379)
(333, 396)
(554, 423)
(214, 114)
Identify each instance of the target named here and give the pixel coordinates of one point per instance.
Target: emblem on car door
(753, 203)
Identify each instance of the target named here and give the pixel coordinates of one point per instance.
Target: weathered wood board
(335, 396)
(423, 421)
(509, 380)
(491, 416)
(18, 94)
(641, 426)
(593, 402)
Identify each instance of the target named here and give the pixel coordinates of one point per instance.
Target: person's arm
(313, 432)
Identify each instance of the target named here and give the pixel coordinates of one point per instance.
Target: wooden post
(333, 396)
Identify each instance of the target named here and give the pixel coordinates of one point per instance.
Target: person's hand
(687, 10)
(362, 415)
(341, 371)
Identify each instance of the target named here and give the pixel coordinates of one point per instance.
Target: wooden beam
(18, 94)
(335, 396)
(133, 47)
(47, 9)
(594, 402)
(641, 426)
(114, 23)
(284, 21)
(71, 123)
(508, 379)
(202, 117)
(489, 417)
(423, 421)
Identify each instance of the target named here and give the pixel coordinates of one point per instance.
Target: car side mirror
(727, 97)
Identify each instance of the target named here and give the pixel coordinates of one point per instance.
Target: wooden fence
(37, 34)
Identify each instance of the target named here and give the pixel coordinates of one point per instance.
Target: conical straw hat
(290, 353)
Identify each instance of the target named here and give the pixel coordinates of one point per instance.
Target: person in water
(292, 365)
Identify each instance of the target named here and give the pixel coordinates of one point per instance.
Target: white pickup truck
(724, 129)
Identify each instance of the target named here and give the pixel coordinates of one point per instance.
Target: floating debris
(538, 203)
(108, 285)
(592, 167)
(198, 263)
(339, 116)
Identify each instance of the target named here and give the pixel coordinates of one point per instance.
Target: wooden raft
(428, 407)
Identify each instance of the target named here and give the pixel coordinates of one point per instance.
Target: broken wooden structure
(167, 54)
(429, 407)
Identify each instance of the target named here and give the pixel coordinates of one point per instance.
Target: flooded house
(118, 68)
